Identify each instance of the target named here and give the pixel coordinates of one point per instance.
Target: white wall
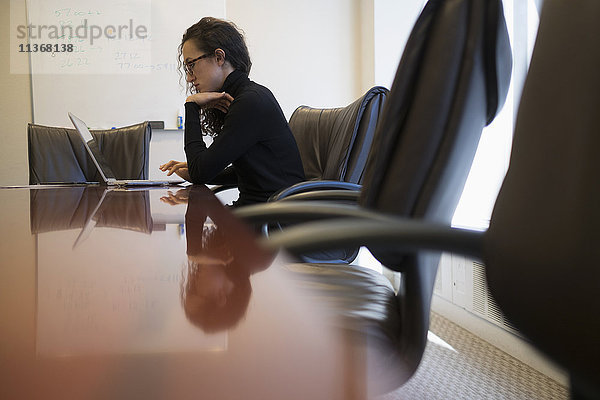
(304, 51)
(15, 108)
(394, 20)
(164, 146)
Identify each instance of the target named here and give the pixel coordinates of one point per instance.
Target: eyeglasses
(188, 67)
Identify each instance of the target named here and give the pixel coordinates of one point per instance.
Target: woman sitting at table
(249, 129)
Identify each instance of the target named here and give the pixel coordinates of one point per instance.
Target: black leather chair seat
(365, 307)
(355, 293)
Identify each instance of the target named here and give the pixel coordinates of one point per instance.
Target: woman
(249, 129)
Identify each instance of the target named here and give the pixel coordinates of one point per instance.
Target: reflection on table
(216, 289)
(192, 310)
(55, 209)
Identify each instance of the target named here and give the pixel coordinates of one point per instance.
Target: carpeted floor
(462, 366)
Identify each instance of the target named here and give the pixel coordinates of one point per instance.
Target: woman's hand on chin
(219, 100)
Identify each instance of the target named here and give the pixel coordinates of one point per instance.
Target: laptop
(104, 169)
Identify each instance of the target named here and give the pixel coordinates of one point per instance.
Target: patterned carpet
(462, 366)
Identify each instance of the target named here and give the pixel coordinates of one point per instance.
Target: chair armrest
(350, 196)
(302, 211)
(398, 233)
(307, 186)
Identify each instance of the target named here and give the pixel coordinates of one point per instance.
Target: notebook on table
(106, 174)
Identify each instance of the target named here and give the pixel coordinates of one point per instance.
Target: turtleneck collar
(235, 81)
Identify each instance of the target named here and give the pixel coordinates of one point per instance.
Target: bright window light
(492, 157)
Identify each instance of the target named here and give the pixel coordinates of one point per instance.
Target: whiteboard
(122, 67)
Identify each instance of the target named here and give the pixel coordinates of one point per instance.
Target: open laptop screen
(92, 148)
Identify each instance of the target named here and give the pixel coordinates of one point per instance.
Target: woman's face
(205, 74)
(212, 284)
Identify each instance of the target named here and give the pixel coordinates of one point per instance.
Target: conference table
(156, 293)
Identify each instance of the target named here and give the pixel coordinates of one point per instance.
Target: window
(491, 161)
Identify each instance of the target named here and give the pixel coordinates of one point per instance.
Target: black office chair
(334, 143)
(541, 251)
(58, 155)
(452, 80)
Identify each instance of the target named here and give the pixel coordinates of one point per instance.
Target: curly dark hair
(210, 34)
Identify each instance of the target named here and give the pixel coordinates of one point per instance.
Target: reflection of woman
(250, 131)
(221, 257)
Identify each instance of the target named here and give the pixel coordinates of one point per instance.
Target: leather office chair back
(541, 250)
(452, 80)
(334, 143)
(58, 155)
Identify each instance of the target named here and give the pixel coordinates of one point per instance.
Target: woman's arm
(220, 101)
(241, 130)
(225, 177)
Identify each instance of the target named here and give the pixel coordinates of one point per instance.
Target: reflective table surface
(156, 293)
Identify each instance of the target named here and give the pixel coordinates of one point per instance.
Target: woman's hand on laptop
(176, 167)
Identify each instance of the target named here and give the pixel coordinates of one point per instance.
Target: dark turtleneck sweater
(256, 139)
